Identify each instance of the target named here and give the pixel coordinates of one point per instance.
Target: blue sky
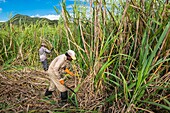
(38, 8)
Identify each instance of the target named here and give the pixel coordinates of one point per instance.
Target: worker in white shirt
(57, 68)
(43, 58)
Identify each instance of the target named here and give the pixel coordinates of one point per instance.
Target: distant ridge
(24, 19)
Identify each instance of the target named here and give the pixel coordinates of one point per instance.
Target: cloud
(50, 16)
(2, 1)
(0, 9)
(69, 6)
(2, 20)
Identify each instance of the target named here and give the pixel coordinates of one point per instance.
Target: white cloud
(2, 1)
(50, 16)
(69, 6)
(0, 9)
(2, 20)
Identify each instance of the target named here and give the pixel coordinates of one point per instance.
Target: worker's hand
(62, 81)
(69, 72)
(52, 48)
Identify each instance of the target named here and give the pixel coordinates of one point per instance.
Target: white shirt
(58, 64)
(42, 52)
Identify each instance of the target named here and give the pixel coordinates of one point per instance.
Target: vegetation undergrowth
(122, 49)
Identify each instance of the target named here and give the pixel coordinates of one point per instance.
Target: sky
(33, 8)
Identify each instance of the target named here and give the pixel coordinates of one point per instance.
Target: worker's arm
(47, 51)
(57, 66)
(62, 81)
(68, 72)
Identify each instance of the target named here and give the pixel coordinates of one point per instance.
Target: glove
(52, 48)
(62, 81)
(69, 72)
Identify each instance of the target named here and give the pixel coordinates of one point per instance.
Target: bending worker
(43, 58)
(58, 67)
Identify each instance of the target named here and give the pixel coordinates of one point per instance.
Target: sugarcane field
(100, 56)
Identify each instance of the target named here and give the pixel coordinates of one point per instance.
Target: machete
(69, 89)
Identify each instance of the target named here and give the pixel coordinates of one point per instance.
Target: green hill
(24, 19)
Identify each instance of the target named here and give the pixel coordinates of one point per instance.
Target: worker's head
(43, 44)
(71, 55)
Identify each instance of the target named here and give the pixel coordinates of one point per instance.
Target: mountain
(24, 19)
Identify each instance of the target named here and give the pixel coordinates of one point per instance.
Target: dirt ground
(23, 91)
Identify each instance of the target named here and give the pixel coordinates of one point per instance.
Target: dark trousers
(45, 65)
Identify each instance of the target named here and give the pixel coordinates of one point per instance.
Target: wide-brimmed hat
(43, 44)
(72, 54)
